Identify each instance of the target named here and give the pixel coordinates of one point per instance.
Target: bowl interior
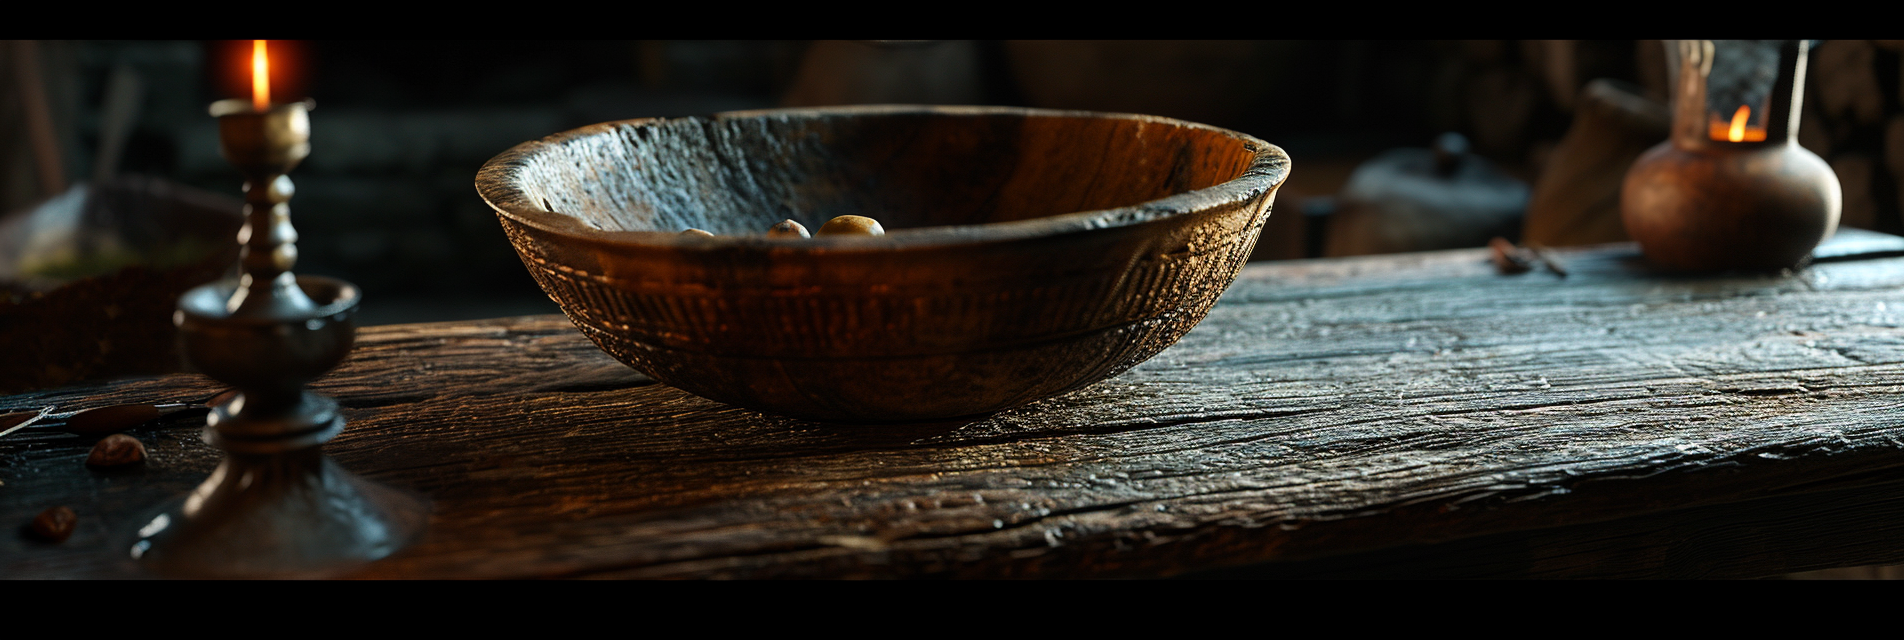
(738, 174)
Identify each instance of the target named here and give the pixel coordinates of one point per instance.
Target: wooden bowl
(1029, 252)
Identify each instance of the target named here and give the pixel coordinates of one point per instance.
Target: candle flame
(1736, 129)
(260, 77)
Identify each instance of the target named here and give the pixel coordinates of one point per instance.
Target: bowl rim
(496, 184)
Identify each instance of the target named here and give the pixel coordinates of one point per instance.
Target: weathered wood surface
(1405, 415)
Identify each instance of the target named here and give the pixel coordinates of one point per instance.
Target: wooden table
(1413, 415)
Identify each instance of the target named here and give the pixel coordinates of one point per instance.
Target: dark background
(386, 199)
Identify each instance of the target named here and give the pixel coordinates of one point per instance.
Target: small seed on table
(116, 450)
(103, 420)
(54, 525)
(690, 231)
(852, 226)
(788, 229)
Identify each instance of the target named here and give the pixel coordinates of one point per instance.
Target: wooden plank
(1835, 528)
(1325, 411)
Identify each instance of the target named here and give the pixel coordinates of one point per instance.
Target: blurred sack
(89, 278)
(1577, 198)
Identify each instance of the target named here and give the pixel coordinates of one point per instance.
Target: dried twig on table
(1509, 258)
(1512, 259)
(1546, 257)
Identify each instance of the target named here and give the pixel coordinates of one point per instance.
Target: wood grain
(1404, 415)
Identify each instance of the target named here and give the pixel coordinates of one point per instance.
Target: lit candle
(264, 140)
(260, 77)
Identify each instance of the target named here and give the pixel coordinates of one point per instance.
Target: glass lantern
(1732, 189)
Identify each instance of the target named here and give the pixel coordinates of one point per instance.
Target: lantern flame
(1737, 134)
(1736, 129)
(260, 77)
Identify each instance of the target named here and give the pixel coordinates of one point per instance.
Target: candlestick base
(288, 515)
(276, 507)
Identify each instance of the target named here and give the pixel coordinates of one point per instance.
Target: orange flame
(260, 77)
(1737, 130)
(1737, 134)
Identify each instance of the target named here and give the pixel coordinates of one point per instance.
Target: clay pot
(1699, 204)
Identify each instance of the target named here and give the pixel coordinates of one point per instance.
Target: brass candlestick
(276, 506)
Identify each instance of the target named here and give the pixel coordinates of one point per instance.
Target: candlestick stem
(267, 288)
